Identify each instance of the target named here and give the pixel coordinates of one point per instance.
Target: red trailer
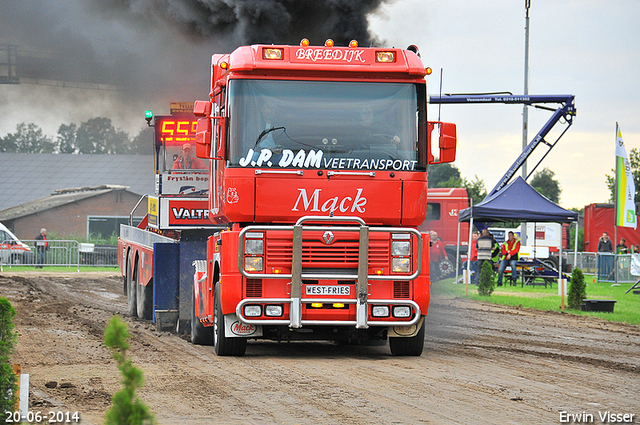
(599, 218)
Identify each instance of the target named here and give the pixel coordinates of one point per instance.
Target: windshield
(331, 125)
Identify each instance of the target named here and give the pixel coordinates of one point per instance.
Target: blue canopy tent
(517, 201)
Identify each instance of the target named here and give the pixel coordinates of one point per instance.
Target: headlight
(254, 246)
(273, 310)
(380, 311)
(252, 311)
(253, 264)
(400, 248)
(401, 265)
(401, 311)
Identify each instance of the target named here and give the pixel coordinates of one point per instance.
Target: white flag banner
(626, 189)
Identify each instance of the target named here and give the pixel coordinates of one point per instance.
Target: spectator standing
(473, 257)
(42, 246)
(622, 247)
(436, 254)
(605, 262)
(485, 246)
(510, 250)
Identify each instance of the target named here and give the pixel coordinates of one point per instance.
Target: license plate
(328, 290)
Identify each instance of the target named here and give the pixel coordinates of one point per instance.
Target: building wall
(71, 219)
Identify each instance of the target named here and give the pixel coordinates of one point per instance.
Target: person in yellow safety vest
(510, 249)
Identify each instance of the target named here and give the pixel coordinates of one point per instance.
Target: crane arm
(566, 111)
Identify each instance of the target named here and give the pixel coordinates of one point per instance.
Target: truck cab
(319, 159)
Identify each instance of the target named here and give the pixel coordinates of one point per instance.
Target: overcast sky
(588, 48)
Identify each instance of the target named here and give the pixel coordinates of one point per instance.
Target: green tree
(544, 183)
(572, 233)
(441, 174)
(127, 408)
(142, 144)
(475, 189)
(8, 379)
(486, 284)
(634, 162)
(577, 289)
(98, 135)
(28, 138)
(66, 140)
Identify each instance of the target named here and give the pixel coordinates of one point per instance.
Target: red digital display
(172, 131)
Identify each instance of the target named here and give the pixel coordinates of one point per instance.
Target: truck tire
(409, 346)
(132, 281)
(144, 302)
(552, 262)
(200, 334)
(222, 345)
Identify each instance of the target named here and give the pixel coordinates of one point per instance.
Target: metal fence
(606, 266)
(66, 253)
(69, 253)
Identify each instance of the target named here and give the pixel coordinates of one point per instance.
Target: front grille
(342, 253)
(254, 288)
(400, 289)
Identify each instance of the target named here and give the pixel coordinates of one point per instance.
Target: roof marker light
(304, 42)
(272, 53)
(328, 43)
(385, 56)
(353, 43)
(428, 70)
(224, 65)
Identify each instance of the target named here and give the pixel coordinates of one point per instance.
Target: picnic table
(535, 272)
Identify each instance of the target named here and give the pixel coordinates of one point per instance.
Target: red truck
(318, 181)
(442, 217)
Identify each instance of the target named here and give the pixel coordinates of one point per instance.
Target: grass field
(626, 310)
(60, 269)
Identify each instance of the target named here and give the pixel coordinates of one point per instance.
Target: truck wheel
(200, 334)
(132, 281)
(552, 262)
(145, 300)
(410, 346)
(222, 345)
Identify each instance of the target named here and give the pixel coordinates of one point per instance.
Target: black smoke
(81, 59)
(255, 21)
(132, 42)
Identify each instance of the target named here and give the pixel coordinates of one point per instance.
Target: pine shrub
(577, 289)
(486, 284)
(126, 407)
(8, 379)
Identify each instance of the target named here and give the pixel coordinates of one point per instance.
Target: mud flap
(405, 331)
(234, 328)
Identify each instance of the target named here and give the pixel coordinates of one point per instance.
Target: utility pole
(525, 111)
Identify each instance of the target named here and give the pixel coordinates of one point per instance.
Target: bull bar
(297, 275)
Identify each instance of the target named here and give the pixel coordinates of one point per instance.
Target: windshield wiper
(265, 132)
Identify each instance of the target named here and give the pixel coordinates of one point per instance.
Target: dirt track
(481, 364)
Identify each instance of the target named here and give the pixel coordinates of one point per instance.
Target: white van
(12, 249)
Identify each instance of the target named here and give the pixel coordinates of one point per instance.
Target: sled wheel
(132, 281)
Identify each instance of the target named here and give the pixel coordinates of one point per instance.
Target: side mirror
(209, 131)
(203, 138)
(446, 144)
